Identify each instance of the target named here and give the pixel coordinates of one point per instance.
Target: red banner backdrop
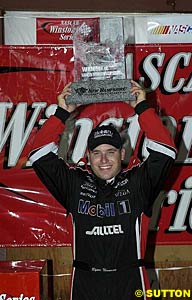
(30, 79)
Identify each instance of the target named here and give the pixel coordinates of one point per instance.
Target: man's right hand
(138, 91)
(62, 97)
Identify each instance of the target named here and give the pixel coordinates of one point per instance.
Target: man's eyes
(96, 152)
(111, 151)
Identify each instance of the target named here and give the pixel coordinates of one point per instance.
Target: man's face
(106, 160)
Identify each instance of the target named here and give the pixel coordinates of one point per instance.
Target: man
(110, 207)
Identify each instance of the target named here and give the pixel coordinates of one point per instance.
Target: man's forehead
(105, 147)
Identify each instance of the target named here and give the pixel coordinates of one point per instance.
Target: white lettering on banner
(170, 73)
(58, 29)
(66, 33)
(186, 142)
(64, 37)
(15, 129)
(182, 215)
(180, 222)
(21, 297)
(150, 69)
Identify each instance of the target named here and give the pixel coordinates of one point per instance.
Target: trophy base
(95, 91)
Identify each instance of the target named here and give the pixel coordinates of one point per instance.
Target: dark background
(99, 5)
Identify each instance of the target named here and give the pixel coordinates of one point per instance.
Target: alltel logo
(20, 297)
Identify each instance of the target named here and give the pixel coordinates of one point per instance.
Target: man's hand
(138, 91)
(62, 97)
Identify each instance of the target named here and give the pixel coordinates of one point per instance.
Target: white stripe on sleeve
(160, 148)
(51, 147)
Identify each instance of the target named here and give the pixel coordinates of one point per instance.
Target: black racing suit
(110, 220)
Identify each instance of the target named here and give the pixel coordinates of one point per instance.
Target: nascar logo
(171, 29)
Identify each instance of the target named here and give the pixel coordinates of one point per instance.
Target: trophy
(99, 63)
